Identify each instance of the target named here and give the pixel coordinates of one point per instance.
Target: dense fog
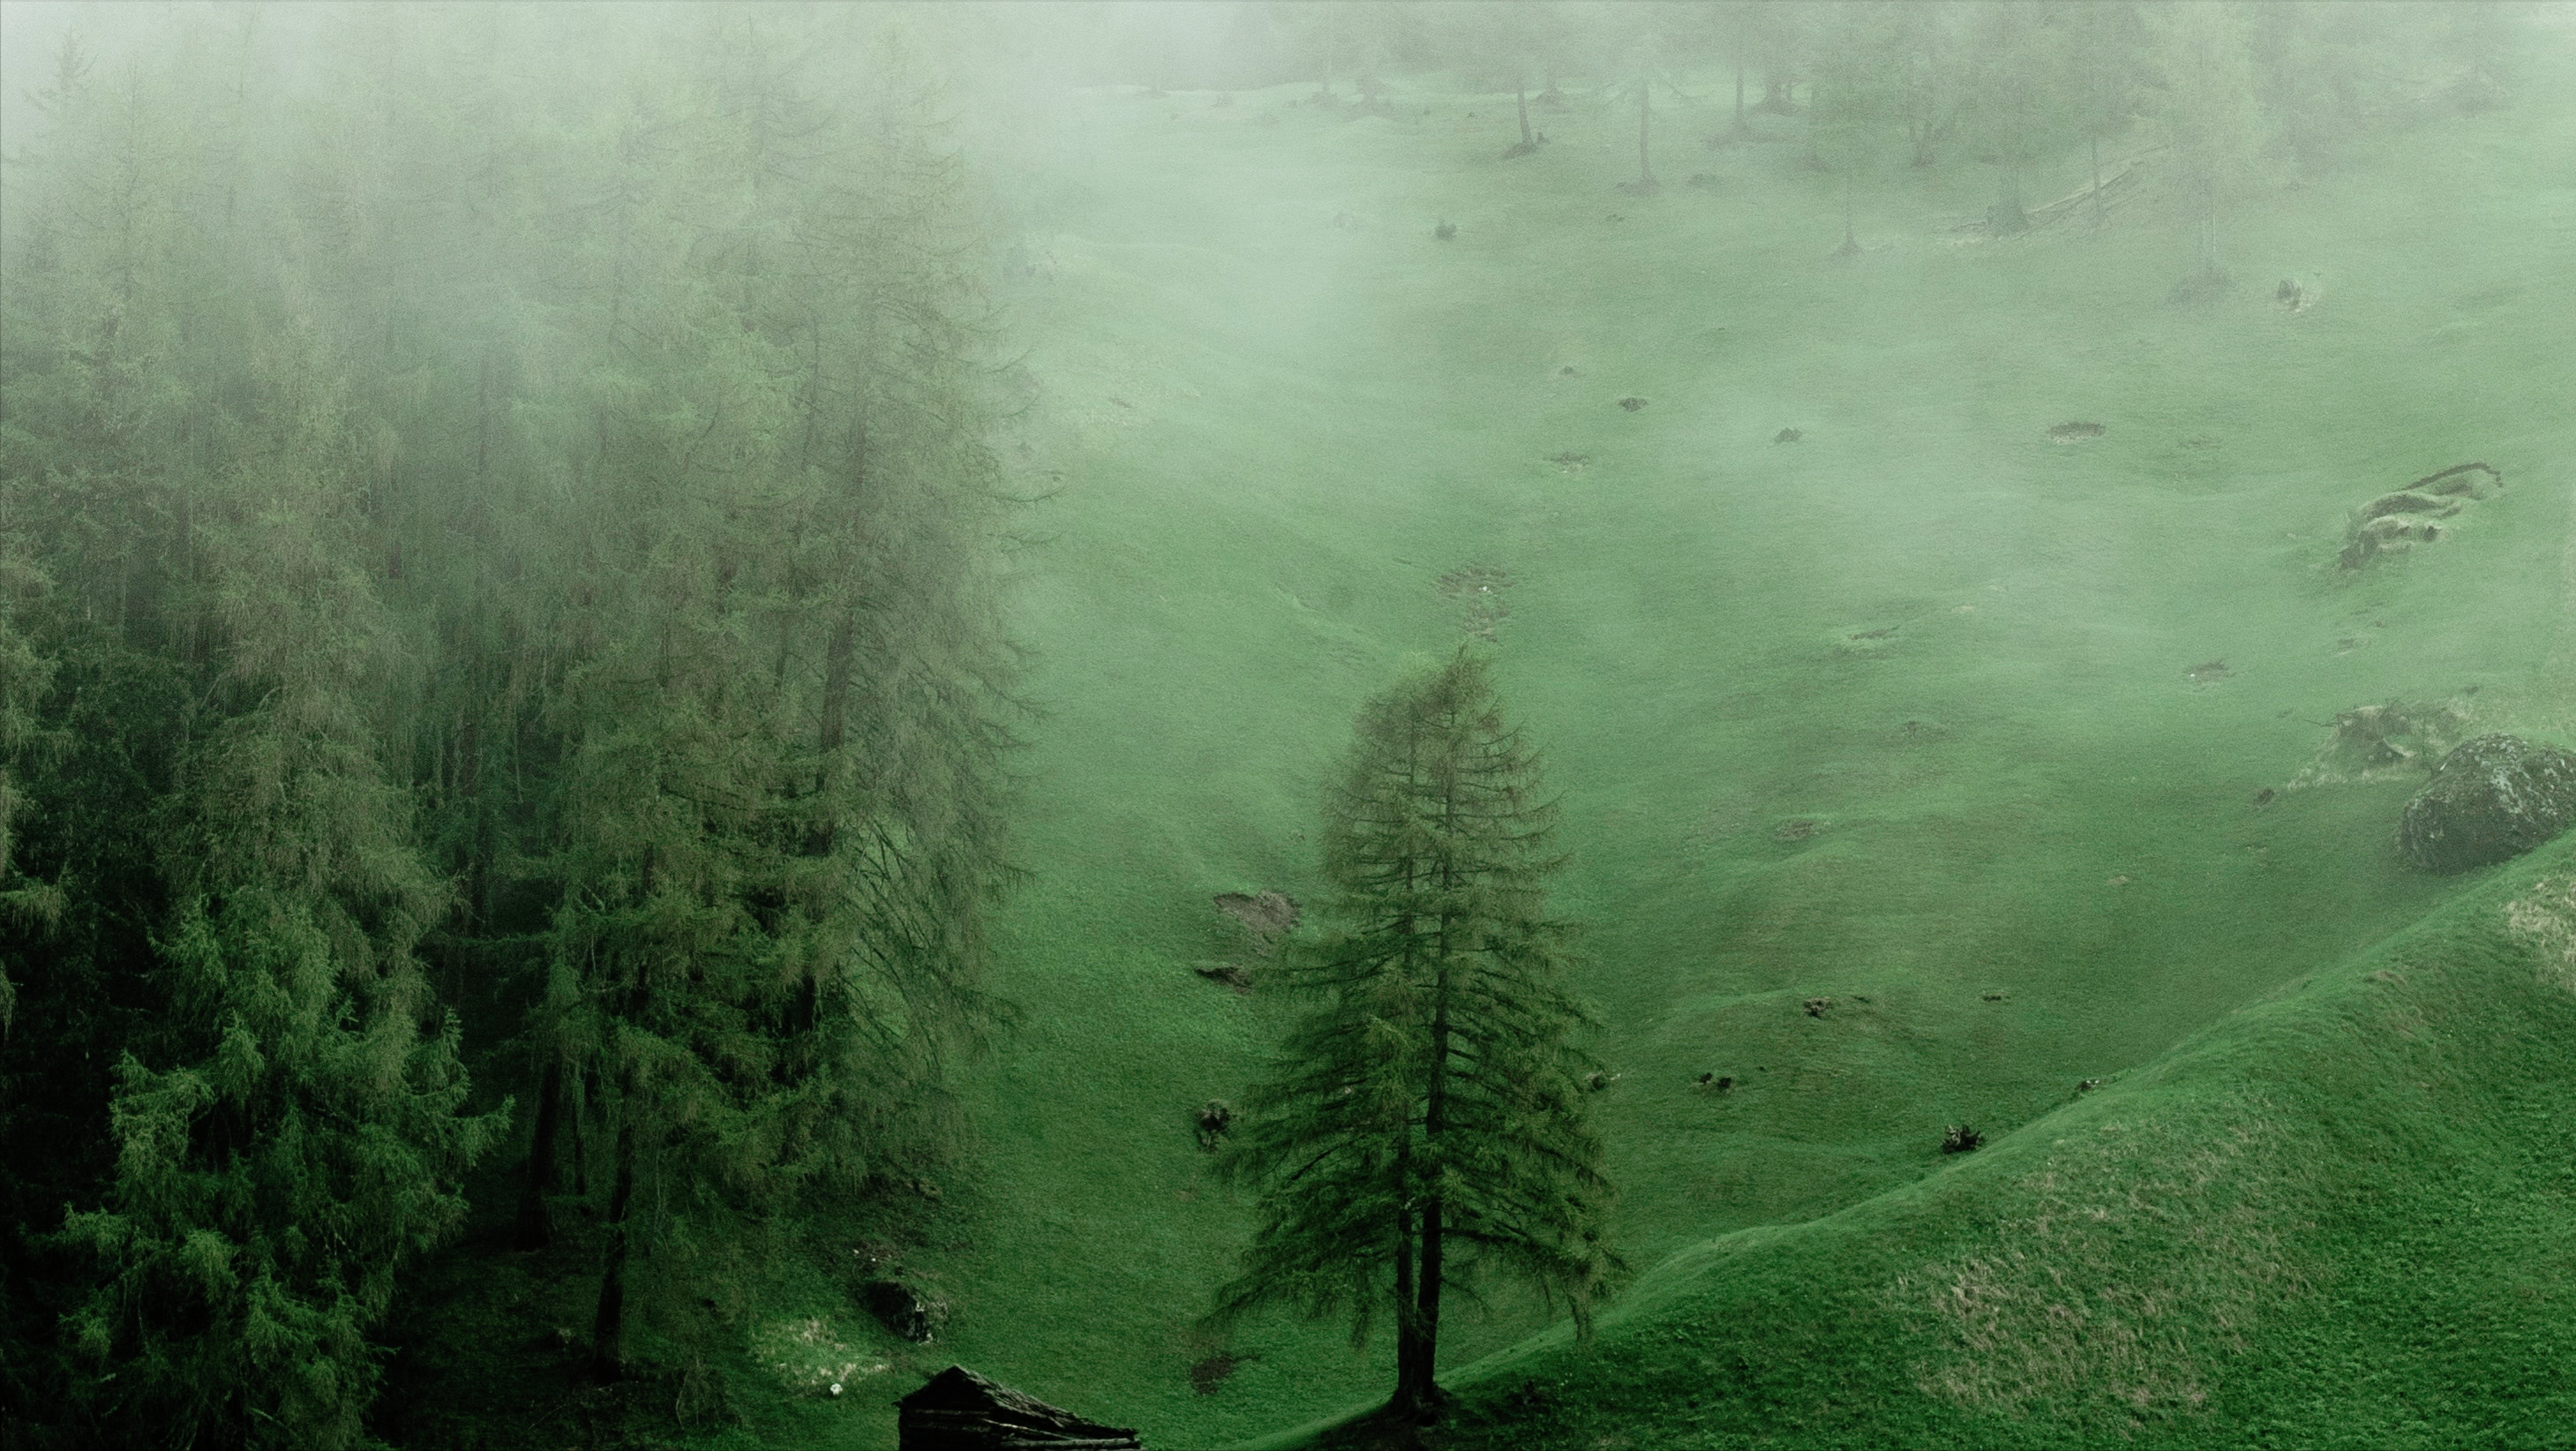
(1563, 723)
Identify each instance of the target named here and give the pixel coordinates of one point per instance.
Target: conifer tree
(1425, 1122)
(526, 525)
(2212, 118)
(2105, 45)
(780, 810)
(305, 1137)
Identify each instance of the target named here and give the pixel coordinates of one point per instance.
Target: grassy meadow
(2019, 823)
(1927, 712)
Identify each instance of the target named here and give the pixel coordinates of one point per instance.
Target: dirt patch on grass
(2398, 521)
(2470, 480)
(2369, 742)
(1268, 916)
(1227, 975)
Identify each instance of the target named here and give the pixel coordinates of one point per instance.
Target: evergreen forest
(1292, 723)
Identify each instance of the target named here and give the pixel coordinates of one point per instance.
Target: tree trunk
(837, 653)
(2096, 141)
(1417, 1392)
(580, 1148)
(1740, 126)
(535, 1229)
(2007, 218)
(608, 1327)
(1406, 1341)
(1645, 173)
(1520, 93)
(1417, 1389)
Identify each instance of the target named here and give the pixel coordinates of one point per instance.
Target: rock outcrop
(2494, 797)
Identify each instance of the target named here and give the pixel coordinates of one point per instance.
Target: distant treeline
(1919, 64)
(498, 537)
(2230, 93)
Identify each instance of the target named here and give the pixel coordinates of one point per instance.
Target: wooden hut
(958, 1410)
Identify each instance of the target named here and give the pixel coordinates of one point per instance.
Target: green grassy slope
(1275, 434)
(2344, 1216)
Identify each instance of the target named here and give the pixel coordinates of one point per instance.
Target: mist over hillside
(1293, 724)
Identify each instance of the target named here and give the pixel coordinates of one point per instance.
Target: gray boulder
(2494, 797)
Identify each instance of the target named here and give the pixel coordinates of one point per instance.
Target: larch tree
(302, 1135)
(26, 676)
(496, 536)
(1650, 43)
(1866, 57)
(2019, 97)
(2212, 119)
(2105, 46)
(782, 720)
(1424, 1124)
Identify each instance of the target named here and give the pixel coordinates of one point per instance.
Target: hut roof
(959, 1408)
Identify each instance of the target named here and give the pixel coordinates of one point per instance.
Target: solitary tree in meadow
(2106, 44)
(1424, 1123)
(1653, 43)
(2023, 98)
(2213, 120)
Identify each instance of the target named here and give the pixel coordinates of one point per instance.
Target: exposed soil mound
(2368, 740)
(2407, 501)
(2493, 798)
(2475, 480)
(2075, 432)
(1268, 916)
(908, 1310)
(1632, 404)
(2399, 521)
(1787, 435)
